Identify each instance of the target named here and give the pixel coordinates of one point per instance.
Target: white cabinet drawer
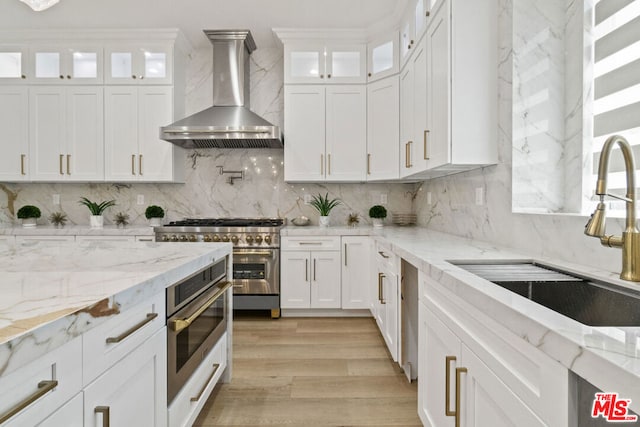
(189, 401)
(384, 256)
(310, 243)
(63, 364)
(110, 341)
(56, 239)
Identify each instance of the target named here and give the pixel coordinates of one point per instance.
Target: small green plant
(154, 211)
(59, 219)
(96, 208)
(121, 219)
(378, 211)
(353, 219)
(323, 204)
(29, 211)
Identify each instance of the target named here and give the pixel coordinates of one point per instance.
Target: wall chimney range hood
(229, 123)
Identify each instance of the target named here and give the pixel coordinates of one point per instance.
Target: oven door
(256, 271)
(192, 332)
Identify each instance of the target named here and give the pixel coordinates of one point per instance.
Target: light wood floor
(312, 372)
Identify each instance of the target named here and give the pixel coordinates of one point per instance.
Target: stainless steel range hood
(229, 123)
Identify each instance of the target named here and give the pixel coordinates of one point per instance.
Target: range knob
(215, 238)
(174, 238)
(206, 238)
(249, 239)
(258, 240)
(267, 240)
(193, 238)
(183, 238)
(234, 240)
(165, 238)
(225, 238)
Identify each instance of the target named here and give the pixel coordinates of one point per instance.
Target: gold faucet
(630, 239)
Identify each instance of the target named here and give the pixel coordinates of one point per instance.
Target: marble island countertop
(50, 292)
(608, 357)
(76, 230)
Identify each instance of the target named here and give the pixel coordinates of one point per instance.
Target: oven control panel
(237, 239)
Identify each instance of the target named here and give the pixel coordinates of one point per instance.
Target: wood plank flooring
(312, 372)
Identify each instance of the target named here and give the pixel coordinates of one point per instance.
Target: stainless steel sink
(589, 301)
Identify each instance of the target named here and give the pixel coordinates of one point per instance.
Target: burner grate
(229, 222)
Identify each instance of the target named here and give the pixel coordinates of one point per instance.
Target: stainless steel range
(256, 255)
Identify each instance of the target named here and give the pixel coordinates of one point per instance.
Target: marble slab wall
(262, 193)
(453, 208)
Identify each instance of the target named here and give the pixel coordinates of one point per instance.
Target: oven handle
(263, 253)
(179, 324)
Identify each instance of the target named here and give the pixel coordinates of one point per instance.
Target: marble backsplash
(453, 208)
(262, 193)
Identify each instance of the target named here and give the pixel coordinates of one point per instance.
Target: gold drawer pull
(459, 371)
(447, 386)
(68, 164)
(368, 164)
(61, 159)
(133, 164)
(43, 388)
(22, 157)
(140, 164)
(383, 255)
(204, 387)
(381, 277)
(104, 410)
(426, 134)
(149, 318)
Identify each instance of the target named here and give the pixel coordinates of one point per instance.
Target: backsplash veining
(205, 192)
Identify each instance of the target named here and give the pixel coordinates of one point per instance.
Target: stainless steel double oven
(197, 313)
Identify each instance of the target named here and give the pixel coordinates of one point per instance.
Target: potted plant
(324, 206)
(377, 213)
(97, 209)
(154, 214)
(58, 219)
(29, 214)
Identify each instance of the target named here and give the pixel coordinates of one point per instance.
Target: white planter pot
(29, 222)
(96, 221)
(155, 222)
(377, 222)
(324, 221)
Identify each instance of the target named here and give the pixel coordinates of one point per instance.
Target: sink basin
(589, 301)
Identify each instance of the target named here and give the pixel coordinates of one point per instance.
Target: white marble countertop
(49, 291)
(77, 230)
(608, 357)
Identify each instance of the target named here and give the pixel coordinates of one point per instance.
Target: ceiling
(192, 16)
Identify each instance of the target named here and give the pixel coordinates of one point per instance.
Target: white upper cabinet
(382, 56)
(383, 129)
(407, 33)
(420, 15)
(13, 64)
(57, 64)
(139, 64)
(314, 62)
(14, 120)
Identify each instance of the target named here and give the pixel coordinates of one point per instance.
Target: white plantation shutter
(616, 85)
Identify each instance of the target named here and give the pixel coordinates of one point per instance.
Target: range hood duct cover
(229, 123)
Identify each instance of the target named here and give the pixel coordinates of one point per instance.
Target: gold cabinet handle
(306, 270)
(134, 76)
(459, 371)
(381, 277)
(321, 164)
(61, 158)
(68, 164)
(149, 318)
(408, 160)
(383, 255)
(179, 324)
(68, 76)
(426, 156)
(104, 410)
(43, 388)
(133, 164)
(328, 164)
(447, 386)
(368, 164)
(345, 254)
(140, 164)
(314, 270)
(61, 76)
(23, 76)
(216, 366)
(22, 157)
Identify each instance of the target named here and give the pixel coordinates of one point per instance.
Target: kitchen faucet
(630, 239)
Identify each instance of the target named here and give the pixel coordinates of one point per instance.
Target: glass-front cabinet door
(69, 65)
(382, 56)
(13, 64)
(346, 64)
(129, 64)
(304, 63)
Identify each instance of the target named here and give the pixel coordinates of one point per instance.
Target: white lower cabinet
(69, 415)
(493, 378)
(310, 272)
(356, 271)
(386, 307)
(134, 391)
